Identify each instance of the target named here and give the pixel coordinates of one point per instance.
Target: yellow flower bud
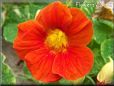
(106, 73)
(37, 13)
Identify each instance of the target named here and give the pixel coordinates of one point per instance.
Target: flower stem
(93, 82)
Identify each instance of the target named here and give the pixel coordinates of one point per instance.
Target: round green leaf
(107, 48)
(10, 31)
(7, 74)
(102, 31)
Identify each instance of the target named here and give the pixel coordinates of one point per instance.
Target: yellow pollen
(57, 40)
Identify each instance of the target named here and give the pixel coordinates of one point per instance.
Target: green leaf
(33, 9)
(10, 31)
(27, 75)
(13, 14)
(69, 82)
(21, 12)
(102, 31)
(24, 12)
(78, 81)
(2, 58)
(7, 74)
(64, 82)
(108, 23)
(98, 62)
(107, 48)
(28, 11)
(26, 71)
(17, 14)
(88, 80)
(98, 59)
(89, 6)
(93, 44)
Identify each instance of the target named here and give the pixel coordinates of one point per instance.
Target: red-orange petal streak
(55, 15)
(40, 63)
(75, 63)
(30, 37)
(83, 37)
(79, 20)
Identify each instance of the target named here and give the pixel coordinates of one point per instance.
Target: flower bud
(106, 73)
(37, 13)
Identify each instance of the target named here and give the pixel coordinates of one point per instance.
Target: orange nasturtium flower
(54, 44)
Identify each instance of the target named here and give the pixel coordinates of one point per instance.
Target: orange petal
(80, 31)
(40, 63)
(83, 37)
(55, 15)
(30, 37)
(74, 64)
(79, 20)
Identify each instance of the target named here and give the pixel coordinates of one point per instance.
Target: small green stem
(104, 60)
(93, 82)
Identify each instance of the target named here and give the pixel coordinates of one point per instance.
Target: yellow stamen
(57, 40)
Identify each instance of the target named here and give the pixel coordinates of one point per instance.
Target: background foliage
(14, 13)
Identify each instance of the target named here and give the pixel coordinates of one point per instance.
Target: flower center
(57, 40)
